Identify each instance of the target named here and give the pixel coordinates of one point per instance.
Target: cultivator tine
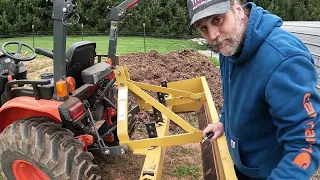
(157, 115)
(151, 129)
(134, 111)
(132, 120)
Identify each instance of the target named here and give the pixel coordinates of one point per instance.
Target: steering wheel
(17, 56)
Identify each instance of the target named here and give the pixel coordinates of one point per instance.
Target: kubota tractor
(49, 127)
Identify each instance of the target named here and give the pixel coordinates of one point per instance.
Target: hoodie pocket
(235, 154)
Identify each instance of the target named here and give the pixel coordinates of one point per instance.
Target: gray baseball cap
(199, 9)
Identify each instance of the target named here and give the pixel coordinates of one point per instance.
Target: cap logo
(196, 3)
(198, 9)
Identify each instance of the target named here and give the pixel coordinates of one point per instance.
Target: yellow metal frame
(182, 96)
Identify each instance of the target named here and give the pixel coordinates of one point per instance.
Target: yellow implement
(192, 95)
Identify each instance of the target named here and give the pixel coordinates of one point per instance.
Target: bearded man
(270, 112)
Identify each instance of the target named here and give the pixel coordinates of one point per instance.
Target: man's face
(225, 32)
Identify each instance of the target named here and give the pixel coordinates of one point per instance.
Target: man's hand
(216, 128)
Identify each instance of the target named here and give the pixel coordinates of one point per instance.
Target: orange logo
(302, 160)
(308, 106)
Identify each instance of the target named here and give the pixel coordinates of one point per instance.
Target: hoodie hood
(260, 24)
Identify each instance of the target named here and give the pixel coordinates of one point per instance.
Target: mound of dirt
(153, 67)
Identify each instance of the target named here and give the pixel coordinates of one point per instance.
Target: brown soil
(154, 67)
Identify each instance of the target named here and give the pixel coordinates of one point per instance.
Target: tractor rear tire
(44, 151)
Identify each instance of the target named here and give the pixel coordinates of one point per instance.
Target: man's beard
(233, 40)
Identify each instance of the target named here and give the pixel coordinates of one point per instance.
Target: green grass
(125, 44)
(180, 151)
(215, 61)
(187, 170)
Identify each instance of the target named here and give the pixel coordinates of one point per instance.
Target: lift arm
(117, 13)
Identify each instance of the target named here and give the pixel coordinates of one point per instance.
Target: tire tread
(55, 149)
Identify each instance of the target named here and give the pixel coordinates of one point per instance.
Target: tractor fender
(25, 107)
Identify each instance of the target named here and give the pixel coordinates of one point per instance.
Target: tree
(161, 17)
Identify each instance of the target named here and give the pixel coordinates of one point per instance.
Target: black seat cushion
(80, 56)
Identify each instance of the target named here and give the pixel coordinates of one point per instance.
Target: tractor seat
(80, 56)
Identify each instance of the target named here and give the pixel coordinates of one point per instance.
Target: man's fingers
(206, 130)
(215, 136)
(216, 128)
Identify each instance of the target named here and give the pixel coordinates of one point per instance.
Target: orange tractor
(49, 127)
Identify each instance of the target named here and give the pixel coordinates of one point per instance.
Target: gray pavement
(209, 53)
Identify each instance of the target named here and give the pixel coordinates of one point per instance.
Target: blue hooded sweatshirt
(270, 111)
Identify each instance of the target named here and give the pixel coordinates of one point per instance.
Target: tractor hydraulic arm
(117, 13)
